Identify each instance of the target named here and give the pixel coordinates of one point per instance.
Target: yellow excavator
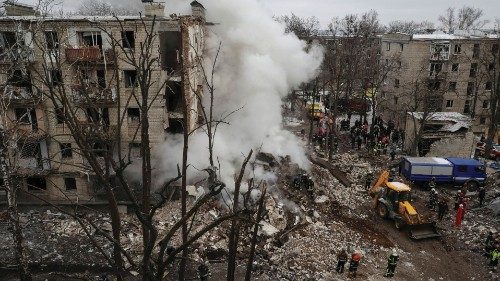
(392, 200)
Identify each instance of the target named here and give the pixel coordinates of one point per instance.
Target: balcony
(92, 94)
(99, 131)
(19, 96)
(89, 55)
(29, 132)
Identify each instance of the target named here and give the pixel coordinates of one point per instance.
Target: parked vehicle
(457, 171)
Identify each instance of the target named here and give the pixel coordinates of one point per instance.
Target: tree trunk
(17, 234)
(253, 242)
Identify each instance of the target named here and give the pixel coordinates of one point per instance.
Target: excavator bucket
(423, 231)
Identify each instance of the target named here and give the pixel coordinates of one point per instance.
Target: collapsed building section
(80, 55)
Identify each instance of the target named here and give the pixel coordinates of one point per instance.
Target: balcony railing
(91, 93)
(19, 95)
(89, 54)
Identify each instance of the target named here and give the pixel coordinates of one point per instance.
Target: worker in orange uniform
(353, 265)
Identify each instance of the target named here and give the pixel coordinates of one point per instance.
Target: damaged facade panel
(46, 153)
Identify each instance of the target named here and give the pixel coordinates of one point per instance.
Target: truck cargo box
(419, 169)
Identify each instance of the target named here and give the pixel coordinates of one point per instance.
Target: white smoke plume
(258, 65)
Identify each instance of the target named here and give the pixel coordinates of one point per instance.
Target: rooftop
(453, 121)
(464, 161)
(457, 35)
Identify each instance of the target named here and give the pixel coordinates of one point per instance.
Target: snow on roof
(463, 161)
(76, 18)
(458, 34)
(456, 121)
(429, 160)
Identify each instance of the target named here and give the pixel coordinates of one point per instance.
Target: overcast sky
(326, 9)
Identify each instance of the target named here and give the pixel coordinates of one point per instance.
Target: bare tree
(408, 27)
(105, 8)
(467, 18)
(304, 28)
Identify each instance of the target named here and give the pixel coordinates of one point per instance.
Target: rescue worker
(481, 195)
(335, 144)
(433, 195)
(368, 180)
(442, 208)
(342, 259)
(309, 185)
(353, 265)
(393, 154)
(391, 264)
(458, 199)
(494, 256)
(432, 183)
(459, 216)
(203, 272)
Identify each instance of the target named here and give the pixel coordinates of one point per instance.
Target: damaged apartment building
(47, 161)
(440, 72)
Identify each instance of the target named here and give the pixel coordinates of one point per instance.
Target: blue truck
(452, 170)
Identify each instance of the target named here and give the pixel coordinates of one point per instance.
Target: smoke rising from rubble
(257, 67)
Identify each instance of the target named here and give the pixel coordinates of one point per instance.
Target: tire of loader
(382, 210)
(399, 224)
(472, 186)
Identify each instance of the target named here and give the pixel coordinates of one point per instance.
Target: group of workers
(356, 258)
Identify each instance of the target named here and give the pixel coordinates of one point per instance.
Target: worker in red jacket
(353, 265)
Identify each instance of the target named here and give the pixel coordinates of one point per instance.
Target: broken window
(128, 39)
(387, 46)
(20, 78)
(133, 115)
(470, 88)
(494, 48)
(100, 149)
(29, 150)
(449, 103)
(454, 67)
(135, 150)
(175, 126)
(130, 77)
(26, 115)
(396, 83)
(482, 120)
(66, 151)
(488, 86)
(52, 40)
(98, 115)
(473, 70)
(8, 43)
(434, 85)
(475, 51)
(56, 77)
(486, 104)
(173, 96)
(452, 86)
(435, 68)
(70, 183)
(491, 66)
(440, 51)
(401, 46)
(90, 39)
(458, 49)
(36, 183)
(59, 112)
(170, 48)
(467, 107)
(101, 78)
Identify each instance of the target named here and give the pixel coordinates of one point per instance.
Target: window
(491, 66)
(449, 103)
(434, 85)
(98, 115)
(494, 48)
(56, 77)
(135, 149)
(482, 121)
(395, 100)
(452, 86)
(486, 104)
(435, 68)
(66, 151)
(133, 115)
(473, 69)
(36, 183)
(467, 107)
(470, 88)
(25, 115)
(488, 85)
(462, 168)
(59, 112)
(128, 39)
(70, 183)
(130, 77)
(399, 64)
(454, 67)
(101, 78)
(396, 83)
(90, 38)
(387, 46)
(475, 51)
(386, 61)
(52, 40)
(458, 48)
(29, 149)
(401, 46)
(100, 149)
